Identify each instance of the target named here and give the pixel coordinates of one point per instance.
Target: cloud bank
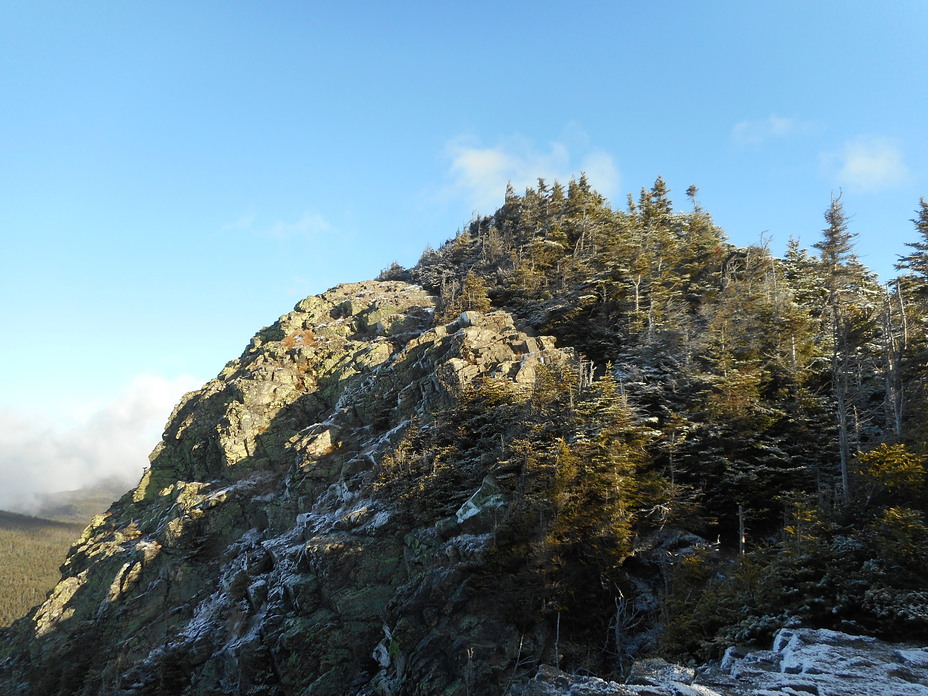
(40, 456)
(479, 174)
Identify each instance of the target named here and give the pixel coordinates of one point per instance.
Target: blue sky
(175, 175)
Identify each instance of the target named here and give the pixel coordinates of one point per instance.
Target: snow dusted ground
(802, 662)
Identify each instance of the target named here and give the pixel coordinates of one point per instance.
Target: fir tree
(836, 249)
(916, 262)
(474, 293)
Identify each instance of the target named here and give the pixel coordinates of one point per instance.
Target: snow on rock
(823, 662)
(660, 682)
(803, 661)
(488, 496)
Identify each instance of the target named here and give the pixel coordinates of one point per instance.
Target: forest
(33, 547)
(32, 550)
(771, 407)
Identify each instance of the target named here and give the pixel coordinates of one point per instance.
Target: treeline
(784, 397)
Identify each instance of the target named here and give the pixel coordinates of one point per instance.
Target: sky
(175, 176)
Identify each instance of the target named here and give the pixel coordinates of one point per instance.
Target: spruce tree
(916, 262)
(474, 293)
(837, 259)
(911, 308)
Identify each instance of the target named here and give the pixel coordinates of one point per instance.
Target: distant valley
(33, 547)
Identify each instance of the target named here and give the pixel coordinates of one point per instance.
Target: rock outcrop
(256, 557)
(802, 661)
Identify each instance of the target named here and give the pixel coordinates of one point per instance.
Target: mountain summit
(570, 438)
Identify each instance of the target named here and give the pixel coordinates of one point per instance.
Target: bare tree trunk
(840, 387)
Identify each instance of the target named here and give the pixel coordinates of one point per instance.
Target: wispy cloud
(308, 225)
(112, 442)
(758, 131)
(245, 222)
(479, 173)
(868, 163)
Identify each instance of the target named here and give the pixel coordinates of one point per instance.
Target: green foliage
(571, 457)
(859, 570)
(393, 272)
(703, 599)
(916, 261)
(458, 297)
(890, 473)
(599, 489)
(790, 388)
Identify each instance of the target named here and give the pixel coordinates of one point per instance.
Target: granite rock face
(255, 556)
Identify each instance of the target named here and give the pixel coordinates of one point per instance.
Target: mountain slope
(264, 551)
(32, 548)
(80, 505)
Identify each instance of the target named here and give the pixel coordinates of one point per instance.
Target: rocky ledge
(801, 662)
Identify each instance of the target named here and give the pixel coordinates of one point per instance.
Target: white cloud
(602, 173)
(757, 131)
(41, 456)
(868, 163)
(479, 174)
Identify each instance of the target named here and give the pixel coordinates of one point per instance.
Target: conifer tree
(910, 302)
(916, 262)
(474, 293)
(837, 255)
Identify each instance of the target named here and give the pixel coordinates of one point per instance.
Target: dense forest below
(32, 550)
(33, 547)
(773, 406)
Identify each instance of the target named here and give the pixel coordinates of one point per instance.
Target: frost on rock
(487, 497)
(803, 661)
(820, 661)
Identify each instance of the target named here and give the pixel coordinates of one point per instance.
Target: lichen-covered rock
(256, 557)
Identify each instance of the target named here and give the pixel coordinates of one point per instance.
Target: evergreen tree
(851, 325)
(474, 293)
(836, 255)
(910, 305)
(916, 261)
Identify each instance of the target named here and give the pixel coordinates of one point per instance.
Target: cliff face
(264, 551)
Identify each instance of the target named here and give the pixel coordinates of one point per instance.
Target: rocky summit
(262, 553)
(379, 499)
